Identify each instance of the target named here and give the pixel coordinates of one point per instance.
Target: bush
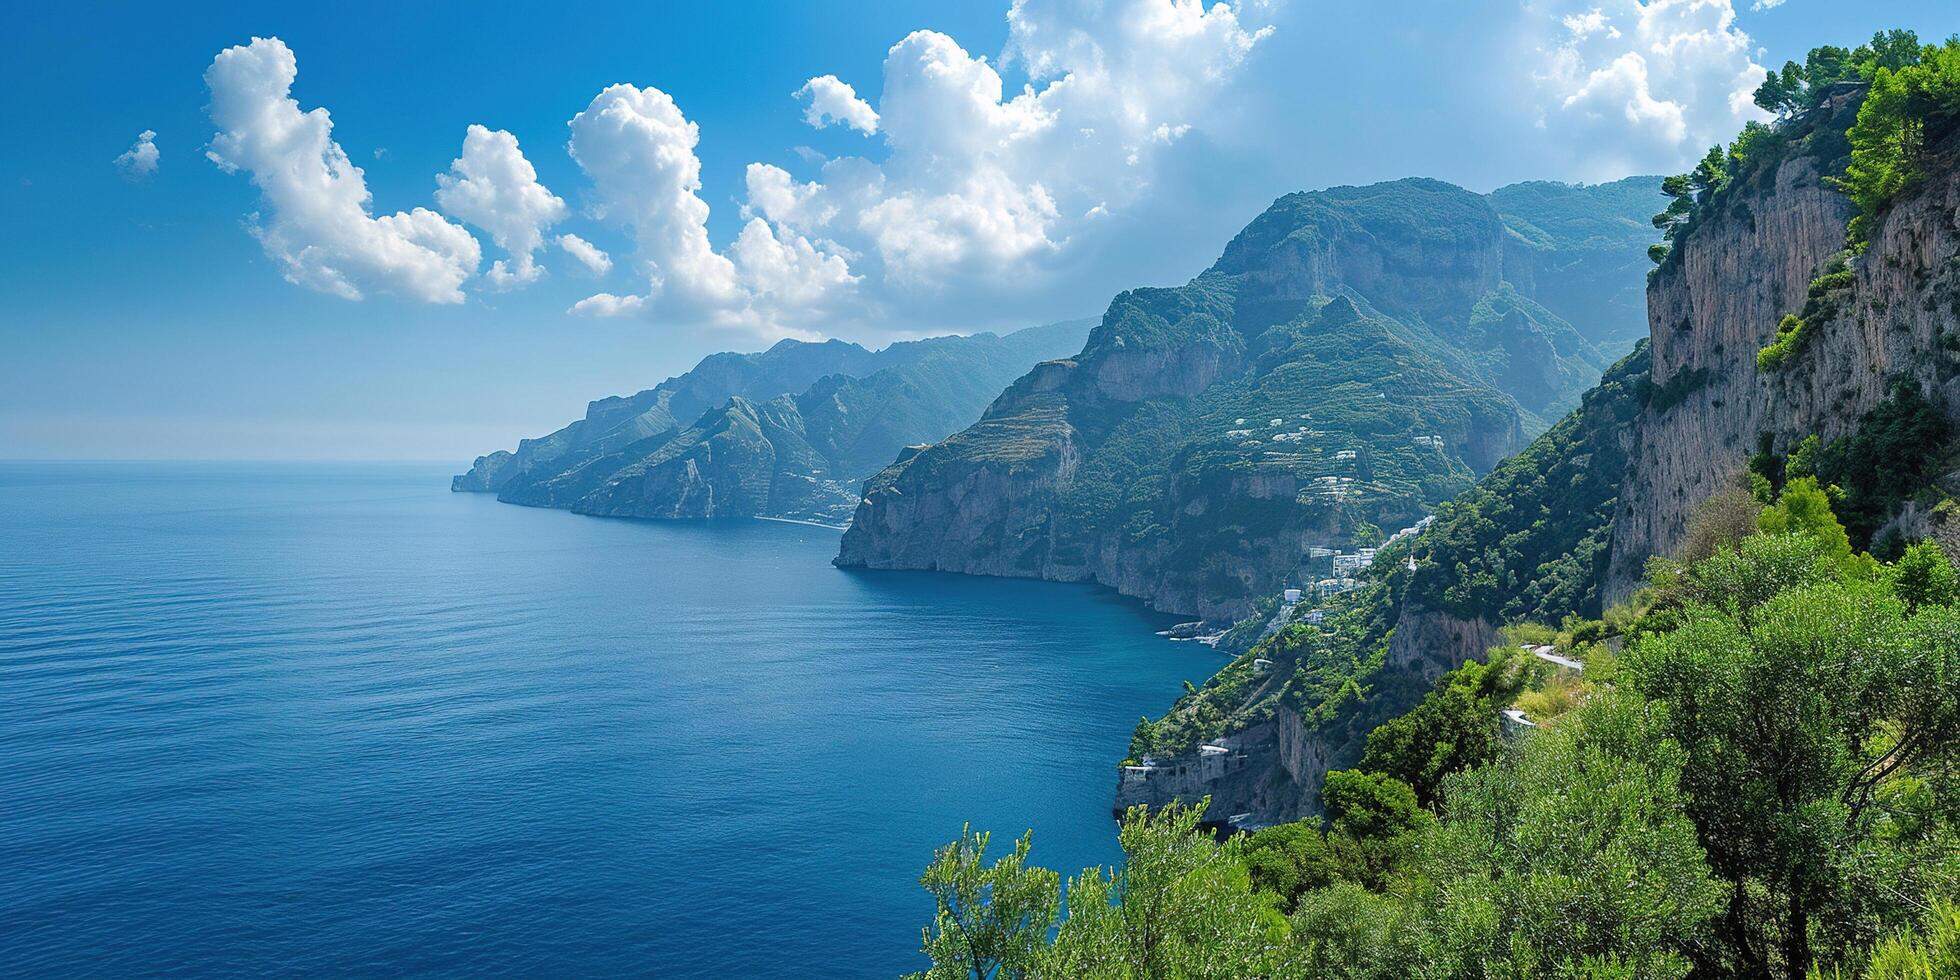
(1907, 110)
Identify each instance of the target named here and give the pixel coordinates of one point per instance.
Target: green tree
(1182, 905)
(1805, 508)
(1924, 577)
(1573, 857)
(1373, 822)
(1290, 860)
(1794, 705)
(1455, 726)
(1797, 87)
(993, 920)
(1929, 951)
(1907, 108)
(1346, 931)
(1692, 188)
(1783, 92)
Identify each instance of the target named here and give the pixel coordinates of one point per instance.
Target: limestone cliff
(1738, 274)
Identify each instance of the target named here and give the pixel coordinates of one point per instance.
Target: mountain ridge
(786, 432)
(1354, 357)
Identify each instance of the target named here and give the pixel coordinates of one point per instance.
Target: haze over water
(337, 719)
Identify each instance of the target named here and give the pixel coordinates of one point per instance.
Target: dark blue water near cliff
(303, 719)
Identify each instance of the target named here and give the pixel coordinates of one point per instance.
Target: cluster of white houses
(1346, 566)
(1345, 569)
(1215, 758)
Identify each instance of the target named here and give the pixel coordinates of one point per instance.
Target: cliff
(1356, 355)
(1739, 273)
(789, 432)
(1568, 525)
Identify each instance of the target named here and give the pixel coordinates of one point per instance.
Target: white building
(1292, 596)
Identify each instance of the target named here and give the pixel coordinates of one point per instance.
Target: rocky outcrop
(1430, 642)
(487, 474)
(1738, 274)
(613, 424)
(1271, 771)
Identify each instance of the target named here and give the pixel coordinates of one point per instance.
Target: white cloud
(140, 160)
(1589, 23)
(788, 273)
(595, 260)
(606, 304)
(980, 181)
(776, 195)
(1646, 86)
(493, 187)
(1766, 4)
(639, 151)
(638, 148)
(319, 229)
(834, 101)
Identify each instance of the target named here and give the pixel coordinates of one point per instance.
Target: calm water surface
(298, 719)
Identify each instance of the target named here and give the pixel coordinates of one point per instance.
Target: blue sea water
(311, 719)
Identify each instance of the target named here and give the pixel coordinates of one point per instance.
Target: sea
(274, 719)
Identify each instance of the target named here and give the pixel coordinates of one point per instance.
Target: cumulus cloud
(140, 160)
(988, 168)
(317, 226)
(607, 304)
(1646, 86)
(594, 259)
(493, 187)
(638, 148)
(980, 181)
(834, 101)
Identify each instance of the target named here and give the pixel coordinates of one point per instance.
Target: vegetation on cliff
(1895, 453)
(1764, 781)
(1908, 105)
(1528, 542)
(1913, 104)
(1816, 102)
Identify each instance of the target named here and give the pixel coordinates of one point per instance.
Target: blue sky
(184, 311)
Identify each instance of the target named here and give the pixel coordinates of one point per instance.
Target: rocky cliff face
(1355, 355)
(791, 432)
(1709, 313)
(1738, 274)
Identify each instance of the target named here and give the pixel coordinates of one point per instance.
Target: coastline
(792, 520)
